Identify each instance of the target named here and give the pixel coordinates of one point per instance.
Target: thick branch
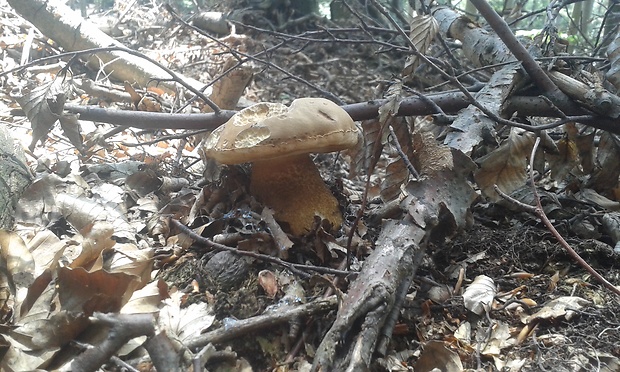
(450, 103)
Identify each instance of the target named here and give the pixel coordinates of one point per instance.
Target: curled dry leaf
(185, 323)
(562, 307)
(19, 264)
(478, 297)
(268, 281)
(43, 106)
(437, 356)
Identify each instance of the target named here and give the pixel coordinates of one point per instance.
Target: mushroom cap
(272, 130)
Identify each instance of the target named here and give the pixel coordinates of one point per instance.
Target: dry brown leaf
(82, 292)
(605, 176)
(506, 166)
(396, 173)
(144, 182)
(71, 129)
(565, 161)
(472, 127)
(96, 239)
(423, 31)
(80, 212)
(586, 149)
(437, 355)
(45, 246)
(16, 258)
(364, 157)
(389, 109)
(130, 259)
(18, 266)
(374, 131)
(565, 307)
(147, 299)
(53, 331)
(18, 359)
(35, 294)
(500, 338)
(43, 106)
(442, 196)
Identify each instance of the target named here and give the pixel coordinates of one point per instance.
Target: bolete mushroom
(277, 140)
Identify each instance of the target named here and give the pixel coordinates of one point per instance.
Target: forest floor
(528, 266)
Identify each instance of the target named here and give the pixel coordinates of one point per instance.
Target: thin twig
(402, 154)
(295, 268)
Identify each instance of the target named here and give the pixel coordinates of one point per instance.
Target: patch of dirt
(506, 251)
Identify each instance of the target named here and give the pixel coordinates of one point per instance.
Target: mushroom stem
(292, 186)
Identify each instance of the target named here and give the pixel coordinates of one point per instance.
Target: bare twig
(402, 154)
(295, 268)
(122, 329)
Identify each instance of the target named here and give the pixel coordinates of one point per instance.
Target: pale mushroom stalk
(292, 186)
(277, 140)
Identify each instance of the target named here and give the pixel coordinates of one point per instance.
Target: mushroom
(277, 140)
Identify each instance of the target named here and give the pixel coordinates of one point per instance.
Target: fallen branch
(450, 102)
(122, 329)
(372, 303)
(241, 328)
(73, 33)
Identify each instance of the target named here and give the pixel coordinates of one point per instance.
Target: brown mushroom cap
(277, 140)
(271, 130)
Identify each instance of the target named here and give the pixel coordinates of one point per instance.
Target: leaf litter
(76, 254)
